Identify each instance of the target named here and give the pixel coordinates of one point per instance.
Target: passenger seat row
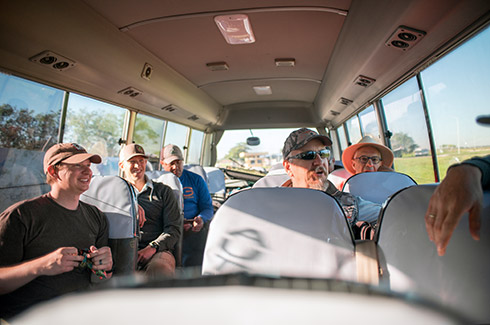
(304, 233)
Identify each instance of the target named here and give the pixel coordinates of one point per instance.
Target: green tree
(234, 152)
(402, 141)
(23, 129)
(88, 128)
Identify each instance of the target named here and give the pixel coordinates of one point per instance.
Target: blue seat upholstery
(199, 170)
(116, 198)
(280, 231)
(459, 279)
(216, 180)
(377, 186)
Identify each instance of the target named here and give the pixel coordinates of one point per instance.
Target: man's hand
(145, 254)
(459, 192)
(101, 258)
(141, 216)
(62, 260)
(197, 224)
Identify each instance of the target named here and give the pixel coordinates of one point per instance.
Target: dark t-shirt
(36, 227)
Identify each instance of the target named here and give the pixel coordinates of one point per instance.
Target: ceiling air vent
(217, 66)
(345, 101)
(404, 38)
(130, 91)
(169, 108)
(334, 113)
(364, 81)
(53, 60)
(193, 118)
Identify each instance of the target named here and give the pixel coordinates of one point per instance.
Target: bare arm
(59, 261)
(460, 191)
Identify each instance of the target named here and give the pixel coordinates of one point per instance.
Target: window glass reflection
(97, 126)
(456, 89)
(194, 152)
(410, 142)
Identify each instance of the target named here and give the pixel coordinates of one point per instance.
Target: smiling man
(306, 160)
(162, 228)
(41, 239)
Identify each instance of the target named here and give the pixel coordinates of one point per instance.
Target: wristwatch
(155, 245)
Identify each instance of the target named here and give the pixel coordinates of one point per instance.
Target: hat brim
(348, 154)
(134, 155)
(169, 160)
(76, 159)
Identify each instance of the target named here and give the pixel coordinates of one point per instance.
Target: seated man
(198, 206)
(367, 156)
(53, 244)
(162, 228)
(306, 160)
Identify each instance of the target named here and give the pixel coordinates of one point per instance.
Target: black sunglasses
(310, 155)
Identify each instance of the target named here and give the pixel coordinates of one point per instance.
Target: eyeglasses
(310, 155)
(365, 159)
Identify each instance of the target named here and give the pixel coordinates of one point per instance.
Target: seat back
(274, 178)
(171, 181)
(459, 279)
(280, 231)
(338, 177)
(199, 170)
(216, 180)
(116, 198)
(377, 186)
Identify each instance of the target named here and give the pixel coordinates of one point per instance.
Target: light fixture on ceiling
(236, 29)
(217, 66)
(262, 90)
(404, 38)
(289, 62)
(53, 60)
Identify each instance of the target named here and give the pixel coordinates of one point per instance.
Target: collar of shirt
(148, 184)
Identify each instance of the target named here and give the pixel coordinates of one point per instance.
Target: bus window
(354, 129)
(369, 124)
(456, 89)
(176, 134)
(29, 120)
(97, 126)
(195, 144)
(233, 150)
(148, 133)
(405, 119)
(342, 139)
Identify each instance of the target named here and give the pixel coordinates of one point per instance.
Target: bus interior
(227, 81)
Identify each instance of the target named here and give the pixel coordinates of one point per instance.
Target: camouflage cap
(301, 137)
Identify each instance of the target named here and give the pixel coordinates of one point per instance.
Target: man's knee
(162, 263)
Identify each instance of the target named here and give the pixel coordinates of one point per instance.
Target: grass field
(420, 168)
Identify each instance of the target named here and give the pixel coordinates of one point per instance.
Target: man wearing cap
(42, 239)
(162, 229)
(198, 206)
(367, 156)
(306, 159)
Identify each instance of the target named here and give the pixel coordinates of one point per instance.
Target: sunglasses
(310, 155)
(365, 159)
